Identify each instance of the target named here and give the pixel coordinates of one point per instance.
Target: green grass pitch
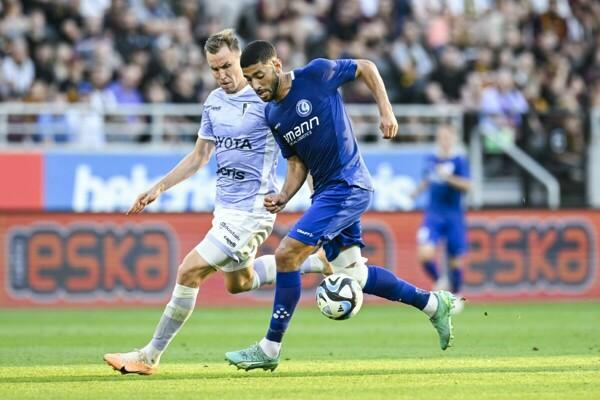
(501, 351)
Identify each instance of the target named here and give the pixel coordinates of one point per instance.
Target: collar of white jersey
(237, 94)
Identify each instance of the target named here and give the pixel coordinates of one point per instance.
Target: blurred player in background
(446, 180)
(309, 122)
(234, 128)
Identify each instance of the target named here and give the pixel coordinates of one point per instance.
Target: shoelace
(252, 351)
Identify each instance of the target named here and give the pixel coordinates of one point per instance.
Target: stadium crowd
(430, 51)
(503, 60)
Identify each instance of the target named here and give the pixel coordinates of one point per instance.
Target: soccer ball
(339, 296)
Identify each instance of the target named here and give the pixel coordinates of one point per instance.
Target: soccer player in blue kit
(307, 117)
(445, 179)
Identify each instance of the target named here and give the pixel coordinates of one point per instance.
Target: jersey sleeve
(333, 73)
(463, 170)
(286, 150)
(205, 131)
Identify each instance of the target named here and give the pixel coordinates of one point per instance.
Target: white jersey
(245, 149)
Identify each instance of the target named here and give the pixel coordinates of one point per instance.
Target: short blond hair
(216, 41)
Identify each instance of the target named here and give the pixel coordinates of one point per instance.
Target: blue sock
(431, 270)
(383, 283)
(287, 294)
(456, 279)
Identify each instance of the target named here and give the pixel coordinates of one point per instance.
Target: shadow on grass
(258, 374)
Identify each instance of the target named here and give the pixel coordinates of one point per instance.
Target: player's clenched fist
(144, 199)
(275, 202)
(388, 125)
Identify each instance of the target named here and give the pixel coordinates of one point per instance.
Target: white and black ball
(339, 296)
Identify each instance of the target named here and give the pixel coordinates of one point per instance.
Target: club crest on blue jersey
(303, 107)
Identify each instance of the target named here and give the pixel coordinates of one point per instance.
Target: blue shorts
(452, 227)
(333, 219)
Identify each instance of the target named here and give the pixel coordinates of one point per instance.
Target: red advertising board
(21, 181)
(51, 260)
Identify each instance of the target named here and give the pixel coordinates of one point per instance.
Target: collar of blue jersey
(457, 151)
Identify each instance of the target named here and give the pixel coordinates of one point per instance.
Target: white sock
(270, 347)
(431, 306)
(152, 354)
(265, 271)
(312, 264)
(177, 311)
(255, 281)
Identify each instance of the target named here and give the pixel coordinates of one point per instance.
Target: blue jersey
(443, 197)
(311, 122)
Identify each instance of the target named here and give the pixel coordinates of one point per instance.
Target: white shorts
(234, 238)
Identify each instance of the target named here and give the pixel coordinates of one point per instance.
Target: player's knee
(191, 270)
(187, 276)
(426, 252)
(351, 262)
(455, 262)
(288, 258)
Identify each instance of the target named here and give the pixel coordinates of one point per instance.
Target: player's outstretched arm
(420, 188)
(459, 182)
(191, 163)
(294, 179)
(368, 73)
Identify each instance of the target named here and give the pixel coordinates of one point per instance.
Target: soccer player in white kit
(233, 127)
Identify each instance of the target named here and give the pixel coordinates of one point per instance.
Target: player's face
(445, 139)
(263, 78)
(226, 69)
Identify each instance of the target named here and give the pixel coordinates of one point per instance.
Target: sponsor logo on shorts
(302, 232)
(228, 229)
(229, 241)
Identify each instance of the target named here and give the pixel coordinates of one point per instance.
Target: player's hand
(275, 202)
(144, 199)
(388, 125)
(443, 172)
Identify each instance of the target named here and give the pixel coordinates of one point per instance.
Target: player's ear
(277, 64)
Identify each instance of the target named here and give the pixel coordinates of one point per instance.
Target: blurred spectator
(414, 63)
(185, 89)
(100, 97)
(502, 107)
(13, 23)
(551, 21)
(18, 69)
(450, 73)
(86, 125)
(126, 89)
(43, 59)
(127, 92)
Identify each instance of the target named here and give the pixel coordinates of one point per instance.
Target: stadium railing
(520, 157)
(70, 125)
(593, 160)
